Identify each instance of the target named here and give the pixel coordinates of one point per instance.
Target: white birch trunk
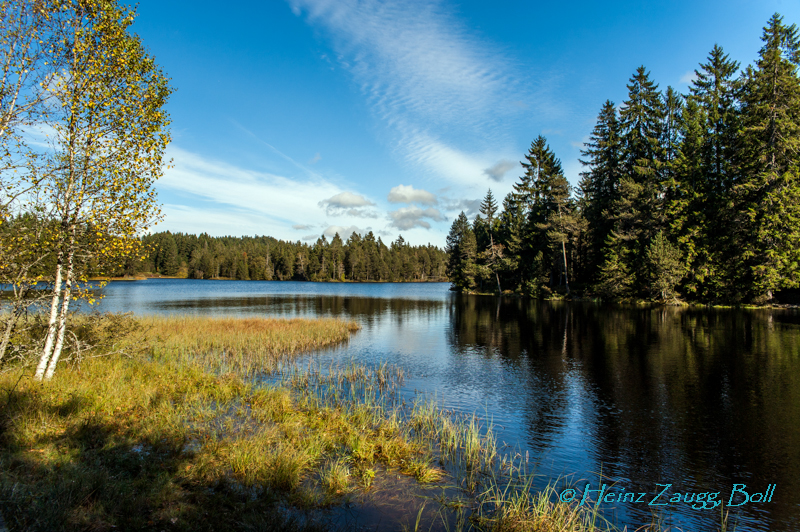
(51, 330)
(564, 250)
(62, 320)
(12, 319)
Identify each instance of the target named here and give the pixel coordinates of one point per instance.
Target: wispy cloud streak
(424, 75)
(270, 197)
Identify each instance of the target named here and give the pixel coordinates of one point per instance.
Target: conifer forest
(263, 258)
(683, 197)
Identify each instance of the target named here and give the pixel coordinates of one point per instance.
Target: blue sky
(299, 118)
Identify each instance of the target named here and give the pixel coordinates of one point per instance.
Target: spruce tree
(598, 186)
(768, 193)
(665, 267)
(542, 182)
(641, 119)
(628, 240)
(458, 242)
(168, 258)
(543, 193)
(468, 257)
(673, 107)
(638, 210)
(686, 205)
(493, 253)
(511, 226)
(716, 88)
(615, 279)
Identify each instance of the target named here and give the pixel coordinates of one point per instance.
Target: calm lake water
(702, 399)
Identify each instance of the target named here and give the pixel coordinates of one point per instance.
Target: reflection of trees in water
(698, 397)
(504, 325)
(524, 334)
(355, 307)
(697, 390)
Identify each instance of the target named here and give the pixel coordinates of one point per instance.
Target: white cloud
(412, 56)
(410, 217)
(348, 203)
(408, 194)
(314, 160)
(216, 221)
(499, 169)
(41, 135)
(463, 169)
(347, 199)
(302, 227)
(344, 232)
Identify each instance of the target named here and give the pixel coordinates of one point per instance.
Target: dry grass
(243, 345)
(156, 440)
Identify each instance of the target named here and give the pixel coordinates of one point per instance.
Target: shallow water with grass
(705, 400)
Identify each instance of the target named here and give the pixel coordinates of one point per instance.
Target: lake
(703, 400)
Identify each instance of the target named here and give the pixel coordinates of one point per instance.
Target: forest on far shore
(264, 258)
(684, 196)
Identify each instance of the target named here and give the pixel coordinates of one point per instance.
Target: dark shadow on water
(308, 306)
(699, 398)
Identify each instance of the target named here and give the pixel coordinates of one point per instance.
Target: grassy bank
(183, 429)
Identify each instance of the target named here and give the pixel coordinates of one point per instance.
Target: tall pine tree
(716, 88)
(598, 186)
(638, 210)
(493, 253)
(767, 194)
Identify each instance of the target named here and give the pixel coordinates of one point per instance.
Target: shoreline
(146, 277)
(635, 303)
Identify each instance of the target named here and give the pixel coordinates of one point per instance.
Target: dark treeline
(266, 258)
(683, 195)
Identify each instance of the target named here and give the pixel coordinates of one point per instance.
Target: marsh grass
(241, 345)
(162, 438)
(335, 476)
(178, 435)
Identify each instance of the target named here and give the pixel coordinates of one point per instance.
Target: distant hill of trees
(266, 258)
(694, 195)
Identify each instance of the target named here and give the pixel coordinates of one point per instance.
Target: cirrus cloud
(441, 88)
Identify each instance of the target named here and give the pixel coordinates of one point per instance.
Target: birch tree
(110, 135)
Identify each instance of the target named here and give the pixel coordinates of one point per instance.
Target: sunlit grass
(241, 344)
(335, 476)
(175, 431)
